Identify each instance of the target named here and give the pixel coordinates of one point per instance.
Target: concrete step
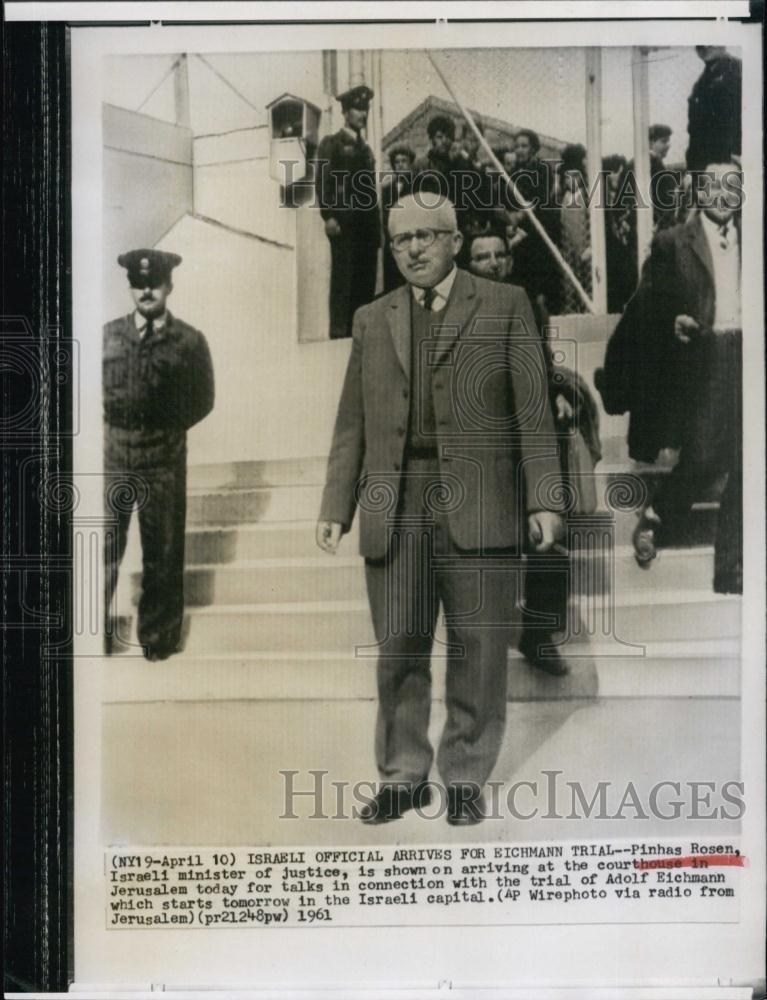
(343, 626)
(583, 328)
(267, 503)
(582, 358)
(701, 669)
(308, 471)
(282, 509)
(326, 578)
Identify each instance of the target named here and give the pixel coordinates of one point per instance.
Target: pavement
(208, 772)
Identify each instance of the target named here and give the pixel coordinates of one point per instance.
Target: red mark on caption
(695, 861)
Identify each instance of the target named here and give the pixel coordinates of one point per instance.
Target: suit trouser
(423, 570)
(162, 521)
(353, 261)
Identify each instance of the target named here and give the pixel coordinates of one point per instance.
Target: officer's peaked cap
(358, 97)
(151, 266)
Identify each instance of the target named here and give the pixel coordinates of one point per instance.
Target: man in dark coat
(663, 182)
(620, 234)
(157, 383)
(445, 442)
(714, 109)
(535, 268)
(346, 193)
(674, 361)
(395, 185)
(433, 170)
(546, 576)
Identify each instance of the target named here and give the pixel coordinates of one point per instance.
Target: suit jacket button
(401, 431)
(405, 393)
(396, 466)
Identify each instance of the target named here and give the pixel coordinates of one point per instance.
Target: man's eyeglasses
(425, 238)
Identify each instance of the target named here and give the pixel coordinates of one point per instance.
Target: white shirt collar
(441, 291)
(141, 322)
(713, 231)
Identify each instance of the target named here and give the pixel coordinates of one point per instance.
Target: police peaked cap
(150, 266)
(358, 97)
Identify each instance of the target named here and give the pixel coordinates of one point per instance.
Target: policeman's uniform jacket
(154, 390)
(346, 191)
(495, 434)
(341, 157)
(714, 113)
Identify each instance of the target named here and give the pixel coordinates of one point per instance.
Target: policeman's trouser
(422, 571)
(353, 257)
(161, 507)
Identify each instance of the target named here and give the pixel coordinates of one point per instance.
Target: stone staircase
(271, 617)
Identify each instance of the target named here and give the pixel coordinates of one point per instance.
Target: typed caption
(458, 884)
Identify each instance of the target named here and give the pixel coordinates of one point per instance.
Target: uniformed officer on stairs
(157, 383)
(346, 193)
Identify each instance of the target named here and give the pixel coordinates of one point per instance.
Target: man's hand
(332, 228)
(543, 529)
(565, 411)
(684, 328)
(328, 536)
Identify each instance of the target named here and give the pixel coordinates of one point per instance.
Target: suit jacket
(646, 371)
(495, 433)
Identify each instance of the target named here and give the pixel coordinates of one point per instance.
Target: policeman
(157, 383)
(346, 192)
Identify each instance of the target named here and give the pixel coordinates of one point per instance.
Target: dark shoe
(155, 653)
(465, 805)
(392, 801)
(553, 663)
(645, 540)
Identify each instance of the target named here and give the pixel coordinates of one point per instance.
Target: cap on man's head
(358, 97)
(148, 267)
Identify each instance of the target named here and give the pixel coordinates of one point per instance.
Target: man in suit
(444, 441)
(157, 383)
(674, 361)
(346, 193)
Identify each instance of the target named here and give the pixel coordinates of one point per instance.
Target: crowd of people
(457, 165)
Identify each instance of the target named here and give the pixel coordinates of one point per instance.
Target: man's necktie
(724, 235)
(149, 331)
(428, 299)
